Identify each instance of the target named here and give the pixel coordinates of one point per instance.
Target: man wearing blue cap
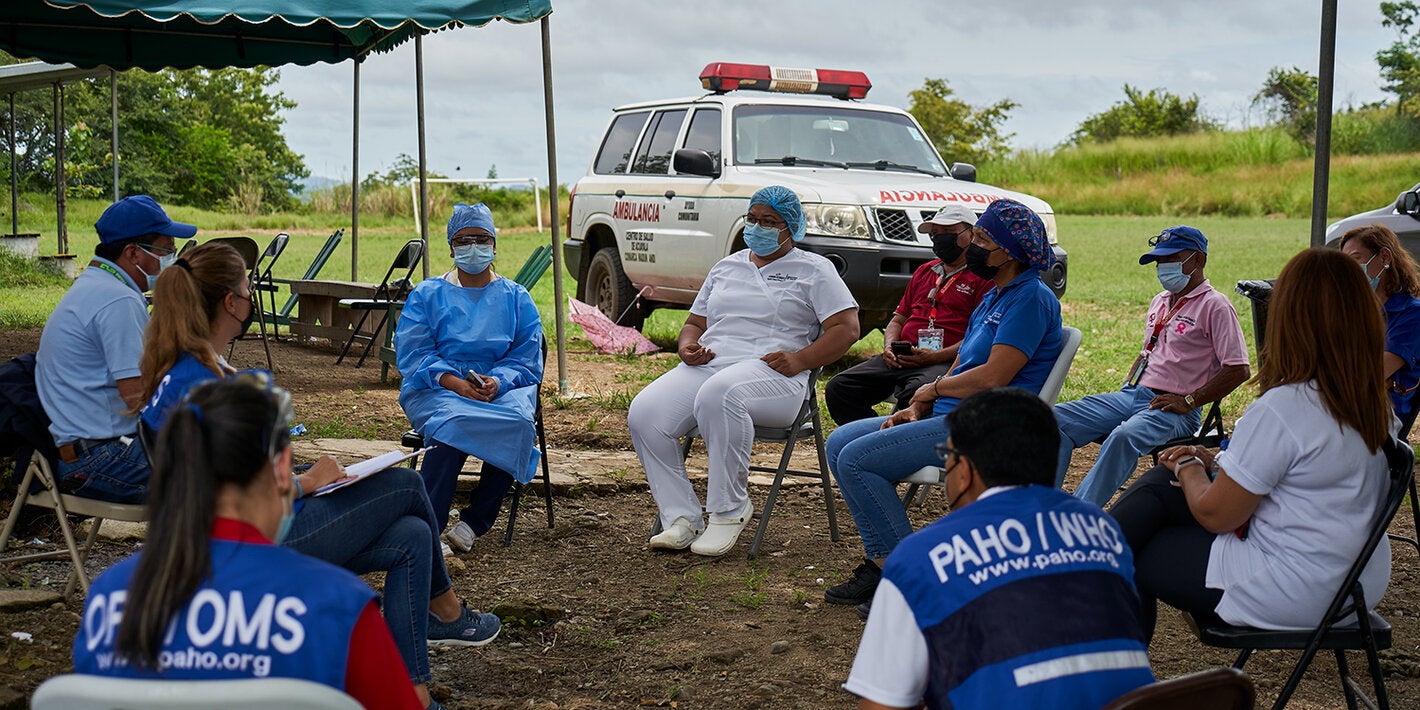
(1193, 353)
(87, 366)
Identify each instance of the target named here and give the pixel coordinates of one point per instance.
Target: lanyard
(1159, 327)
(936, 293)
(111, 270)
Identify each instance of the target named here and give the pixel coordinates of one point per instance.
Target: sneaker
(722, 533)
(470, 629)
(857, 590)
(676, 537)
(461, 536)
(864, 609)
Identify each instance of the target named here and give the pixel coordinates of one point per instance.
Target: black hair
(224, 433)
(1009, 435)
(113, 250)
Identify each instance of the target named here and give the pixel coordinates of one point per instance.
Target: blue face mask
(762, 240)
(284, 528)
(164, 261)
(1172, 277)
(474, 258)
(1374, 281)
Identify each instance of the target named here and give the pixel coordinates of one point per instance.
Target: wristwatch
(1189, 461)
(1188, 400)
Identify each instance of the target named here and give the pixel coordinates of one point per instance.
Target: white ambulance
(666, 195)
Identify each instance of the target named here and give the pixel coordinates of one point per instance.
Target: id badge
(930, 338)
(1136, 372)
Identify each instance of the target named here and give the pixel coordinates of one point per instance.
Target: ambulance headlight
(837, 221)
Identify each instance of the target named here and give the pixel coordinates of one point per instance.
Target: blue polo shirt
(1023, 314)
(186, 373)
(1402, 339)
(93, 339)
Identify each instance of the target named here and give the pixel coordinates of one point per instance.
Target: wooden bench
(318, 310)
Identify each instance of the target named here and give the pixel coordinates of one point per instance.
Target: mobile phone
(475, 378)
(901, 347)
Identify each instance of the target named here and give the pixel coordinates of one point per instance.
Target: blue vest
(266, 611)
(1026, 600)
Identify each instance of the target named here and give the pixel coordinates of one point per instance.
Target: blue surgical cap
(471, 216)
(783, 200)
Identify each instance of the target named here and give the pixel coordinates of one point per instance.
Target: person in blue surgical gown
(469, 347)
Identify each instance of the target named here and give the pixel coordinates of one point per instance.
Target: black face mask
(251, 316)
(945, 247)
(976, 257)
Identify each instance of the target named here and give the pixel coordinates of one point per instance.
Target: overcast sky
(1060, 61)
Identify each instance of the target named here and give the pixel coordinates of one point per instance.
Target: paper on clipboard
(363, 469)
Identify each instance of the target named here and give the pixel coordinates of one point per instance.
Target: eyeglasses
(771, 223)
(479, 239)
(945, 452)
(1160, 238)
(156, 250)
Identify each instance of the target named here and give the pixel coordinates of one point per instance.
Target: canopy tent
(157, 34)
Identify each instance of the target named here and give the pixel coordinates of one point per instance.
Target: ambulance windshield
(830, 136)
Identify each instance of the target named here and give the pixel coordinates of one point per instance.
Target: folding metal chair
(283, 316)
(1215, 689)
(1049, 393)
(807, 424)
(1371, 634)
(41, 471)
(261, 283)
(1405, 427)
(387, 294)
(90, 692)
(1210, 434)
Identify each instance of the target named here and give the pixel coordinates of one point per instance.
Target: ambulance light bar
(724, 76)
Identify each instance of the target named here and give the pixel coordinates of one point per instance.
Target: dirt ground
(597, 620)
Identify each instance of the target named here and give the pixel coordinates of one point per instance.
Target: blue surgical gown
(495, 331)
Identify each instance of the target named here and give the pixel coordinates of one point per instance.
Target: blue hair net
(783, 200)
(471, 216)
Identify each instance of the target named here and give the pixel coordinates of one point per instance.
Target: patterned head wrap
(783, 201)
(1019, 231)
(471, 216)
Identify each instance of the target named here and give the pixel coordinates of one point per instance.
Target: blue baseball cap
(1174, 240)
(137, 216)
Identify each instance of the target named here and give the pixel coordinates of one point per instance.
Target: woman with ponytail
(384, 524)
(200, 601)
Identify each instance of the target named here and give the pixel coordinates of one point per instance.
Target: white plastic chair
(1049, 393)
(91, 692)
(41, 470)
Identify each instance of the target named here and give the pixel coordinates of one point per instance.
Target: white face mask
(164, 261)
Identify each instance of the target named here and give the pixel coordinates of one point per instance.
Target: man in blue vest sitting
(87, 365)
(1022, 597)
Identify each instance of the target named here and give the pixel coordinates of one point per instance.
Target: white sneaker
(722, 533)
(461, 536)
(676, 537)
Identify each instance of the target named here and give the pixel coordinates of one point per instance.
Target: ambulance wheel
(610, 291)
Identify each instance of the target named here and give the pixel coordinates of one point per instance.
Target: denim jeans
(383, 524)
(115, 472)
(868, 461)
(1133, 430)
(441, 476)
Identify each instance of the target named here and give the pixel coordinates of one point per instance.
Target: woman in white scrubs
(763, 319)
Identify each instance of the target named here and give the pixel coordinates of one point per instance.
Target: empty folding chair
(261, 283)
(283, 316)
(386, 296)
(1215, 689)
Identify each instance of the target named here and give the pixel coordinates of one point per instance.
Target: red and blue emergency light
(724, 76)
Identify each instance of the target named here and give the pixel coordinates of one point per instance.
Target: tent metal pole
(61, 229)
(423, 168)
(1326, 80)
(113, 121)
(355, 180)
(14, 174)
(559, 302)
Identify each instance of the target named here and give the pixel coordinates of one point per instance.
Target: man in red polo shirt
(931, 317)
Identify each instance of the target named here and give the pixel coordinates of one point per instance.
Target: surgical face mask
(164, 261)
(976, 257)
(474, 258)
(283, 529)
(1374, 281)
(762, 240)
(1171, 276)
(944, 247)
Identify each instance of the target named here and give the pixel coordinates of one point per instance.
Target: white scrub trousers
(725, 402)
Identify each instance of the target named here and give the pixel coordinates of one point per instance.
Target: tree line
(1287, 100)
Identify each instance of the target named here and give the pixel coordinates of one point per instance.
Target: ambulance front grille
(896, 225)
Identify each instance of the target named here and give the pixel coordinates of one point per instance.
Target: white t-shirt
(1321, 489)
(752, 311)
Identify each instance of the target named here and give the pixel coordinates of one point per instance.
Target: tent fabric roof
(181, 34)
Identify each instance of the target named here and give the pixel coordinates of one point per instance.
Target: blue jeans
(115, 472)
(1133, 431)
(441, 476)
(383, 524)
(868, 461)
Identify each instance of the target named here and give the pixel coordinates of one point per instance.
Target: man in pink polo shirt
(1193, 353)
(931, 318)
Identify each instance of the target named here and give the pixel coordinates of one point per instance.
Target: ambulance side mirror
(964, 171)
(690, 161)
(1409, 203)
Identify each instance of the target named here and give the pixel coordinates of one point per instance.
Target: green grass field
(1107, 294)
